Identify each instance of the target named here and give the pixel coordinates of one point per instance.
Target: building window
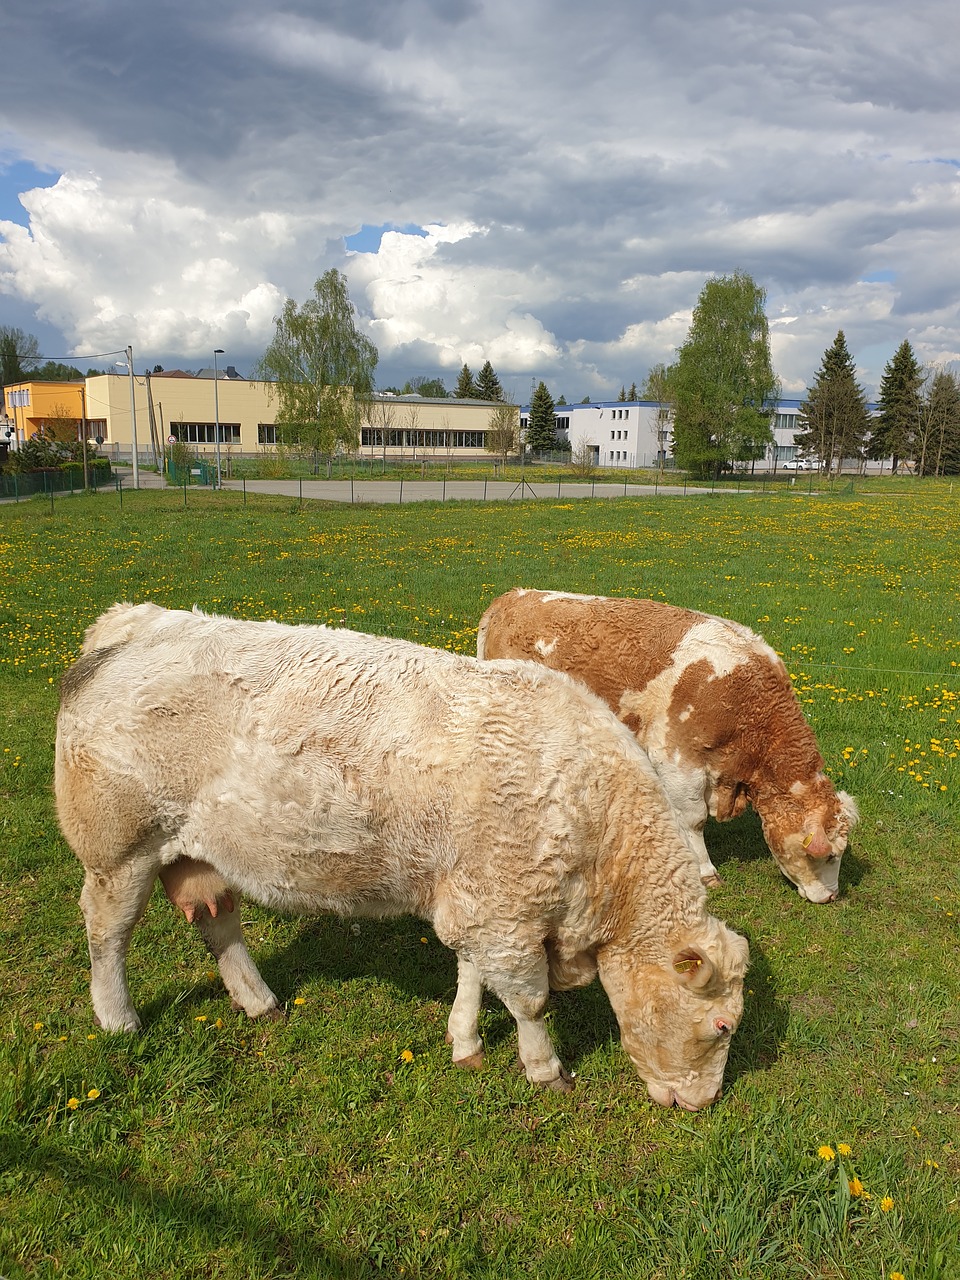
(266, 433)
(786, 421)
(626, 413)
(206, 432)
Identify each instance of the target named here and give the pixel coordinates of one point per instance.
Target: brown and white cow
(710, 702)
(325, 770)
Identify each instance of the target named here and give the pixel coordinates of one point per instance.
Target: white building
(638, 433)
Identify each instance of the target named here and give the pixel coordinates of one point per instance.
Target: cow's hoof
(563, 1083)
(473, 1062)
(273, 1014)
(712, 881)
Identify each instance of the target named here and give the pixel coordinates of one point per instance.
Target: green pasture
(341, 1142)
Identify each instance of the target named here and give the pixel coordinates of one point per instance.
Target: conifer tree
(938, 452)
(632, 394)
(623, 394)
(541, 427)
(833, 420)
(466, 388)
(488, 384)
(896, 426)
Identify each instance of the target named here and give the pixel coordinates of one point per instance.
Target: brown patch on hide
(612, 646)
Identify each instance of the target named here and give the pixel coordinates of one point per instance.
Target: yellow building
(187, 408)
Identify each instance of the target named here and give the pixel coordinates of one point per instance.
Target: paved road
(364, 490)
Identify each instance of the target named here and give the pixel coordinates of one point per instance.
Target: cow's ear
(815, 842)
(692, 967)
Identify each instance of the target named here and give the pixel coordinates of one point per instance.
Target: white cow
(324, 770)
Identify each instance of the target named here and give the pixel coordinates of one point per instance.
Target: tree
(623, 395)
(833, 420)
(54, 371)
(900, 403)
(503, 430)
(541, 426)
(321, 369)
(938, 451)
(657, 389)
(723, 386)
(632, 393)
(466, 388)
(488, 384)
(429, 388)
(19, 352)
(561, 401)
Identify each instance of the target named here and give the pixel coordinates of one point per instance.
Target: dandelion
(93, 1094)
(844, 1149)
(826, 1153)
(886, 1204)
(896, 1275)
(72, 1104)
(38, 1026)
(856, 1188)
(201, 1018)
(299, 1000)
(406, 1056)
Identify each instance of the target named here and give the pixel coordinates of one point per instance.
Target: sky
(546, 185)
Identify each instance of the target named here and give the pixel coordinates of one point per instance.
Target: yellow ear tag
(808, 840)
(685, 966)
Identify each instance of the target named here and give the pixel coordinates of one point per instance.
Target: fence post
(484, 488)
(300, 480)
(401, 491)
(351, 491)
(244, 490)
(443, 491)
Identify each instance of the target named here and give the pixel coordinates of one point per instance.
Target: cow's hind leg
(207, 901)
(462, 1030)
(112, 902)
(241, 977)
(525, 990)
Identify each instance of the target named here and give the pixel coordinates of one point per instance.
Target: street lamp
(217, 351)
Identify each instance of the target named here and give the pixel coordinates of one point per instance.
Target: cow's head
(806, 829)
(676, 1018)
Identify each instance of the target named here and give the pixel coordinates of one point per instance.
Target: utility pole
(217, 351)
(133, 420)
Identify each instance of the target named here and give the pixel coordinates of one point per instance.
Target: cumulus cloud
(578, 173)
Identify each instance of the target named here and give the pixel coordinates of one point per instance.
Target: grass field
(342, 1142)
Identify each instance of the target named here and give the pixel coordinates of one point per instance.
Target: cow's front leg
(462, 1029)
(687, 790)
(112, 901)
(525, 991)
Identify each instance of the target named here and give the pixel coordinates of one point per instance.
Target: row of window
(205, 432)
(409, 438)
(619, 435)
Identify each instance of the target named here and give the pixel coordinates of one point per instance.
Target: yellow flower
(423, 939)
(72, 1104)
(38, 1026)
(202, 1018)
(299, 1000)
(886, 1204)
(856, 1187)
(896, 1275)
(826, 1153)
(406, 1056)
(844, 1149)
(93, 1094)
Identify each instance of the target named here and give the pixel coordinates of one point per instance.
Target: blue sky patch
(16, 177)
(885, 276)
(367, 239)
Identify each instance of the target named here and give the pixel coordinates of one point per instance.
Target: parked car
(802, 464)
